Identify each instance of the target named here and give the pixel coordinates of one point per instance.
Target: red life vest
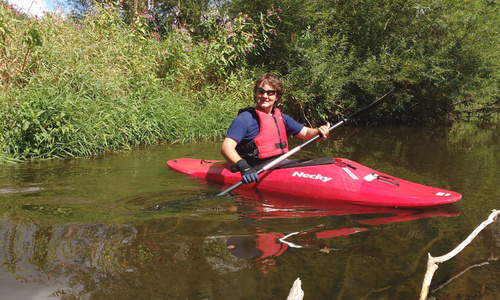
(272, 137)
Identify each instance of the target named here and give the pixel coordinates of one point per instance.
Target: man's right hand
(248, 173)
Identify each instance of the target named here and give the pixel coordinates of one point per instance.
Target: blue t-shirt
(246, 127)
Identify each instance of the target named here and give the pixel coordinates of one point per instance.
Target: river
(83, 228)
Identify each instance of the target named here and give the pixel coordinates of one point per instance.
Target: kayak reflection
(265, 205)
(262, 245)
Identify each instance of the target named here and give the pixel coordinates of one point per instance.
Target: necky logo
(311, 176)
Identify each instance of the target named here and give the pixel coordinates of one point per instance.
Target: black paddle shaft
(273, 163)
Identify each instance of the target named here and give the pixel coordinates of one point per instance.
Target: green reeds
(52, 123)
(85, 88)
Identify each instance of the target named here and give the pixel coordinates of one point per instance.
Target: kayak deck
(344, 180)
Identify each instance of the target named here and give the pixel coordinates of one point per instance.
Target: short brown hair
(273, 81)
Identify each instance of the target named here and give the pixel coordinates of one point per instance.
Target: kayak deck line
(326, 179)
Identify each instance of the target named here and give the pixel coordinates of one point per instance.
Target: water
(84, 228)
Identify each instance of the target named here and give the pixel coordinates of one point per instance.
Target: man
(258, 135)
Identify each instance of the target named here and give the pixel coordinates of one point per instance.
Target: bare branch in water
(432, 262)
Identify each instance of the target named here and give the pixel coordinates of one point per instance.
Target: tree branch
(432, 263)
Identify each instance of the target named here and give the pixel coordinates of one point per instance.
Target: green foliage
(4, 21)
(230, 41)
(319, 72)
(214, 58)
(337, 56)
(115, 79)
(423, 49)
(61, 123)
(99, 84)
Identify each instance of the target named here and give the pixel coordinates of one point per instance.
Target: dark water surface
(84, 228)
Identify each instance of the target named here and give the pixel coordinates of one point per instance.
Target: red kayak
(328, 179)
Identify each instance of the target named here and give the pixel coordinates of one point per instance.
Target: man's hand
(248, 174)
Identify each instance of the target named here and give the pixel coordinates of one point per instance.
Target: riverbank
(82, 86)
(58, 123)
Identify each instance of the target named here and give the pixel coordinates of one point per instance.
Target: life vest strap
(281, 145)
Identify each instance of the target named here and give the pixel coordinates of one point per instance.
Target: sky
(34, 7)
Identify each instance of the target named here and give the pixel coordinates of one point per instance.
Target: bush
(113, 79)
(337, 56)
(100, 84)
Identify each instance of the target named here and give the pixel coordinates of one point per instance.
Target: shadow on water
(78, 229)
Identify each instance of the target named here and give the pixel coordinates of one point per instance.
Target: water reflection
(92, 260)
(263, 245)
(21, 190)
(77, 229)
(264, 205)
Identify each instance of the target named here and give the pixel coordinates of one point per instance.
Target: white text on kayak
(311, 176)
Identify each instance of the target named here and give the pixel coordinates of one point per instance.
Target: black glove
(248, 174)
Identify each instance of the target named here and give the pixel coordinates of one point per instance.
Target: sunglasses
(263, 91)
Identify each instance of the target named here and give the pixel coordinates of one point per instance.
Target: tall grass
(78, 89)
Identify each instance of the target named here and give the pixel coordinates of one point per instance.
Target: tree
(334, 54)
